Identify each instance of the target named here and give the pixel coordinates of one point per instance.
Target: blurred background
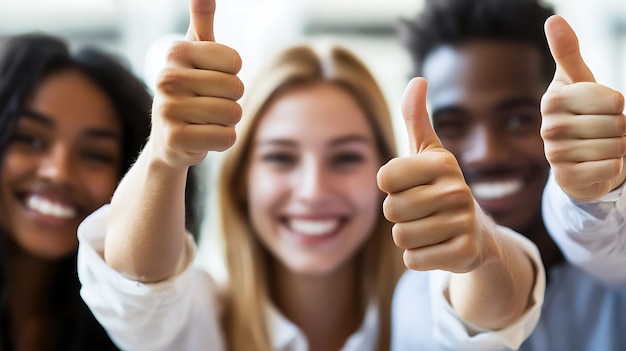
(139, 31)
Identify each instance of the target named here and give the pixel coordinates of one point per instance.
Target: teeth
(49, 208)
(495, 190)
(313, 227)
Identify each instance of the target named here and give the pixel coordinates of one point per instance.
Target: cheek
(454, 146)
(532, 147)
(365, 194)
(100, 187)
(17, 166)
(264, 193)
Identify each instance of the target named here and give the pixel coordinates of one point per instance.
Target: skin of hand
(583, 124)
(195, 111)
(440, 226)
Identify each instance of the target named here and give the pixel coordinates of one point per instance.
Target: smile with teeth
(312, 227)
(50, 208)
(496, 189)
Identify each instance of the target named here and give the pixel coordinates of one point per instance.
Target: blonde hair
(246, 291)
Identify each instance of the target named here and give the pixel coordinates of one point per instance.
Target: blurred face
(62, 163)
(313, 198)
(485, 99)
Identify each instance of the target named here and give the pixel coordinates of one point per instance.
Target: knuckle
(411, 260)
(174, 135)
(389, 209)
(615, 167)
(457, 193)
(400, 236)
(239, 88)
(236, 61)
(551, 101)
(551, 129)
(177, 50)
(555, 152)
(227, 139)
(616, 100)
(168, 80)
(464, 248)
(382, 178)
(620, 124)
(167, 109)
(236, 113)
(620, 146)
(465, 221)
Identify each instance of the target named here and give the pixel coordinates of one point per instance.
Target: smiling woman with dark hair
(71, 124)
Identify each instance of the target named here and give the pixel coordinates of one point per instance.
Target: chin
(49, 252)
(313, 268)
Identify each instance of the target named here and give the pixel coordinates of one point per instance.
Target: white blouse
(182, 313)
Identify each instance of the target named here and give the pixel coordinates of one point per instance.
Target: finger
(582, 99)
(584, 150)
(215, 56)
(193, 82)
(202, 110)
(424, 201)
(432, 230)
(403, 173)
(572, 175)
(422, 137)
(201, 16)
(457, 255)
(583, 127)
(570, 67)
(199, 138)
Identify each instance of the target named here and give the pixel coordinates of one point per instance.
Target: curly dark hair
(454, 22)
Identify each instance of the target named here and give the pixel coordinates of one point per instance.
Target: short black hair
(454, 22)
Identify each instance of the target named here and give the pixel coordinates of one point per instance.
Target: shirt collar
(287, 336)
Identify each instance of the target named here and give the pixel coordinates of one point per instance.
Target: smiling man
(488, 65)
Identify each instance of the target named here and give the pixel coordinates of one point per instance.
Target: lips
(49, 207)
(493, 190)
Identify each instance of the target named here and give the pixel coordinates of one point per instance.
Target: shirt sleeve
(423, 319)
(457, 334)
(591, 235)
(180, 313)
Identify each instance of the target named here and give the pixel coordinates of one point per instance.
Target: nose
(56, 165)
(484, 147)
(312, 182)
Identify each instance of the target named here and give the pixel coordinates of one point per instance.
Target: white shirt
(422, 319)
(182, 313)
(591, 235)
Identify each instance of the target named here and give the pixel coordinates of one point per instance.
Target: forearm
(498, 292)
(146, 231)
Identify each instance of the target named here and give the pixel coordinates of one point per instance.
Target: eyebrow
(517, 102)
(334, 143)
(350, 139)
(49, 123)
(502, 106)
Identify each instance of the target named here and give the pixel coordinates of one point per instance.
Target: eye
(28, 141)
(522, 123)
(279, 159)
(99, 157)
(345, 159)
(450, 128)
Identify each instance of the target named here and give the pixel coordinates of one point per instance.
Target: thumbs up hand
(583, 124)
(437, 222)
(195, 107)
